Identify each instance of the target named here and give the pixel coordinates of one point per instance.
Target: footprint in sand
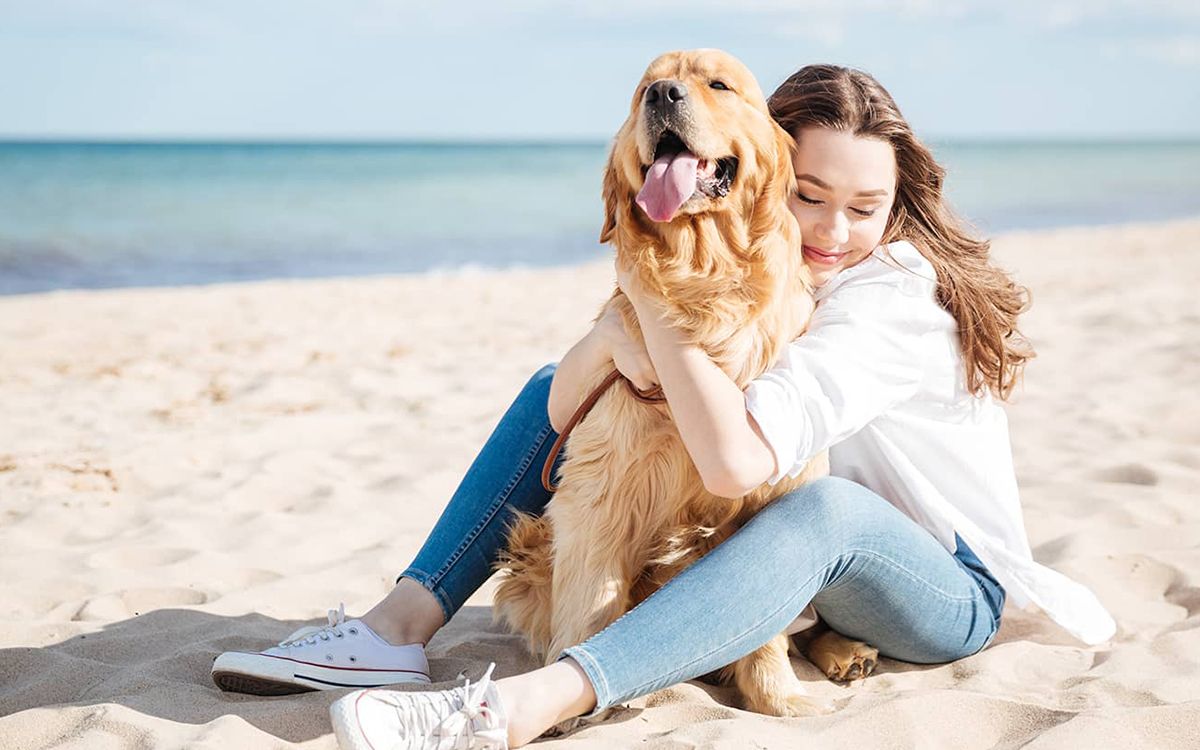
(139, 557)
(390, 483)
(249, 578)
(1185, 596)
(138, 601)
(1128, 474)
(1189, 460)
(133, 602)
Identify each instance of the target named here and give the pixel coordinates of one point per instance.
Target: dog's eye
(719, 86)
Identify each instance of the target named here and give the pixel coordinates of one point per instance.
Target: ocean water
(148, 214)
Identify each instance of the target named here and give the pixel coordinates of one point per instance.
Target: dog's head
(699, 140)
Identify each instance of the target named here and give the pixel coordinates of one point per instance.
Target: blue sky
(536, 69)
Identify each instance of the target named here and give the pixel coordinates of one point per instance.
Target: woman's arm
(868, 347)
(606, 345)
(709, 410)
(566, 389)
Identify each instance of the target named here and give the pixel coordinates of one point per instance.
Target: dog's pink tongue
(670, 181)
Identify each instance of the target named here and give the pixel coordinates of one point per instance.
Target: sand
(185, 471)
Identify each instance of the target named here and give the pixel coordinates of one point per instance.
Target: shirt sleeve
(862, 354)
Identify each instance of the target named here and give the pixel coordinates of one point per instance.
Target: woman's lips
(822, 257)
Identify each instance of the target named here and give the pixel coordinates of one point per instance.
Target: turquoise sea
(147, 214)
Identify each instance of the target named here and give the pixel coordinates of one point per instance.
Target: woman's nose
(835, 229)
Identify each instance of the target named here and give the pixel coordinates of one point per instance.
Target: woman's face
(845, 186)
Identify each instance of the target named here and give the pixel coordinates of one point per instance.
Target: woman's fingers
(637, 367)
(649, 376)
(628, 353)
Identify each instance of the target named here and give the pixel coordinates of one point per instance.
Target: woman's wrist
(709, 410)
(602, 335)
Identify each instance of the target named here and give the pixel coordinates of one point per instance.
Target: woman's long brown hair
(983, 299)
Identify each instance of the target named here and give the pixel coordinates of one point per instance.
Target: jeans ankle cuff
(423, 578)
(595, 675)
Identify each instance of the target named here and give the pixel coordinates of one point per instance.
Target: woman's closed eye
(863, 212)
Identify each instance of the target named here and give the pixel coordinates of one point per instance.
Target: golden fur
(631, 510)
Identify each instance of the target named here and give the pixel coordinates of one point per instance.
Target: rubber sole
(233, 682)
(342, 716)
(262, 674)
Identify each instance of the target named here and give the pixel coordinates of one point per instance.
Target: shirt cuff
(764, 404)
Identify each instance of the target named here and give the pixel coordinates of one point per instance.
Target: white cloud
(828, 32)
(1061, 15)
(1066, 14)
(381, 15)
(317, 66)
(1183, 51)
(831, 24)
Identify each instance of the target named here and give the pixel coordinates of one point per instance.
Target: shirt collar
(846, 274)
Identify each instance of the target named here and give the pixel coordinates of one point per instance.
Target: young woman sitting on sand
(910, 545)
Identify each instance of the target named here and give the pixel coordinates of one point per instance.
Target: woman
(910, 546)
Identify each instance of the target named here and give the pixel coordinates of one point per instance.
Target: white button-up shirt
(878, 381)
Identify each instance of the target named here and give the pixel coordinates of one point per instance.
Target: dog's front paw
(842, 659)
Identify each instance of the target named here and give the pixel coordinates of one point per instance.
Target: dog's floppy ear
(783, 178)
(774, 232)
(612, 192)
(771, 198)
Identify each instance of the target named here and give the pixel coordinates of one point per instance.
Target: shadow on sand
(158, 664)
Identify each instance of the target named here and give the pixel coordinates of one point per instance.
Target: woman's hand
(628, 354)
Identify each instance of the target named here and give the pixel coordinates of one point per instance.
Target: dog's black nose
(666, 93)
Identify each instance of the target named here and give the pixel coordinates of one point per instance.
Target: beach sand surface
(186, 471)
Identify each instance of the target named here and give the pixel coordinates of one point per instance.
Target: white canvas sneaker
(344, 653)
(470, 717)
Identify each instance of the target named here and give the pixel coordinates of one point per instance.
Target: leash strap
(652, 396)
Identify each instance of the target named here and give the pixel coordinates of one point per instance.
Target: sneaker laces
(421, 711)
(309, 634)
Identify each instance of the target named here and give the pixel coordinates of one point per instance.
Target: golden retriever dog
(695, 197)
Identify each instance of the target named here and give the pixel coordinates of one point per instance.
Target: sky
(543, 70)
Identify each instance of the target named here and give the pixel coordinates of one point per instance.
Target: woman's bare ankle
(408, 614)
(537, 700)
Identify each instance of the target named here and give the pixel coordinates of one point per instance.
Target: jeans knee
(539, 383)
(544, 375)
(830, 504)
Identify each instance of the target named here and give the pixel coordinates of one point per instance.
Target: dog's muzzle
(667, 108)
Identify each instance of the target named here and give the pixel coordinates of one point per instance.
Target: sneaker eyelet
(329, 657)
(353, 658)
(341, 635)
(353, 631)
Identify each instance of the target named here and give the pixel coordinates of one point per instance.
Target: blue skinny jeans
(870, 572)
